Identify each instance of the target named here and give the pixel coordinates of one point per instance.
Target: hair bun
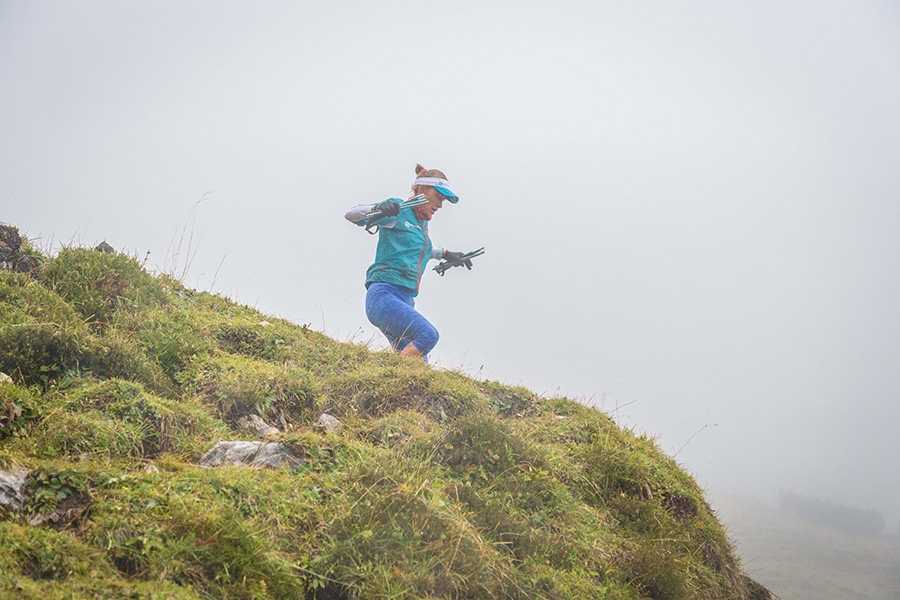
(419, 168)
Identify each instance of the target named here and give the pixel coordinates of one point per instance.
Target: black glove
(457, 258)
(388, 208)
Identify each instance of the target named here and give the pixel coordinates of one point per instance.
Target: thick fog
(690, 209)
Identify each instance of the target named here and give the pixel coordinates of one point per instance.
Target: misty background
(690, 210)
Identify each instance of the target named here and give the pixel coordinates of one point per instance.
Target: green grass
(437, 485)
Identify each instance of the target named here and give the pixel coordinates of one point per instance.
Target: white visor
(432, 181)
(440, 184)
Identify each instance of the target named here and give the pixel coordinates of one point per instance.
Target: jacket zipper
(424, 227)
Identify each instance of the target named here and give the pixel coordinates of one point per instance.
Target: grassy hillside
(801, 561)
(435, 486)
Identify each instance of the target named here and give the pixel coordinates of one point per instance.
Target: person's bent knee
(426, 339)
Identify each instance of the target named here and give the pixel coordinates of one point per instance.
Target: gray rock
(104, 247)
(11, 256)
(8, 258)
(258, 455)
(327, 423)
(26, 264)
(10, 240)
(4, 378)
(255, 423)
(12, 487)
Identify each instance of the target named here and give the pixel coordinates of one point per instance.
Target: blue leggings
(392, 310)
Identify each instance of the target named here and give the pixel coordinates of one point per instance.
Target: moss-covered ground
(436, 486)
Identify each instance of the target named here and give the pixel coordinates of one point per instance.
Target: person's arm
(389, 208)
(358, 213)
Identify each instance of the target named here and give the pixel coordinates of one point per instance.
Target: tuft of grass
(237, 386)
(18, 408)
(225, 533)
(43, 564)
(121, 356)
(180, 427)
(82, 435)
(398, 532)
(97, 284)
(393, 383)
(41, 336)
(117, 418)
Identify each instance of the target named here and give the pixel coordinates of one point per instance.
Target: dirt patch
(69, 512)
(112, 285)
(680, 507)
(242, 340)
(507, 401)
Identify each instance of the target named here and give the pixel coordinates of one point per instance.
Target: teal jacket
(404, 248)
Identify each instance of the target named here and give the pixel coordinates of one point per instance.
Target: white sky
(689, 209)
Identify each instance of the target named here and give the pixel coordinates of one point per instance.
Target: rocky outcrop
(12, 488)
(256, 424)
(327, 424)
(11, 256)
(258, 455)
